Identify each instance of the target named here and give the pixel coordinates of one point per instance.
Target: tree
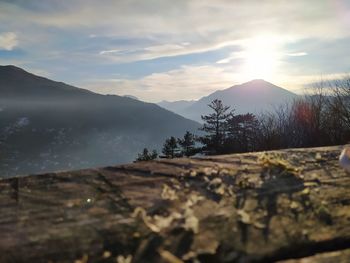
(146, 155)
(341, 101)
(242, 133)
(215, 127)
(170, 147)
(270, 135)
(187, 144)
(339, 104)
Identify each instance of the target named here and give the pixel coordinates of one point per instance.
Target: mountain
(47, 125)
(176, 106)
(17, 83)
(254, 96)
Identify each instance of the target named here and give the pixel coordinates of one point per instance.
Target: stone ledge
(255, 207)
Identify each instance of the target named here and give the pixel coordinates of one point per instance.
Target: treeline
(173, 147)
(320, 119)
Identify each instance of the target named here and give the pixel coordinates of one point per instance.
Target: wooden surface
(287, 206)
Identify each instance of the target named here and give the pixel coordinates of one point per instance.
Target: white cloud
(132, 30)
(158, 51)
(297, 54)
(103, 52)
(165, 48)
(186, 82)
(206, 24)
(8, 41)
(233, 56)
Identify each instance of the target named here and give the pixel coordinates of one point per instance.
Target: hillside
(254, 96)
(47, 125)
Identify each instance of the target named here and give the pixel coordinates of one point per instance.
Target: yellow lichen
(84, 259)
(169, 257)
(168, 193)
(276, 161)
(106, 254)
(191, 221)
(244, 217)
(124, 259)
(193, 173)
(294, 205)
(306, 191)
(318, 157)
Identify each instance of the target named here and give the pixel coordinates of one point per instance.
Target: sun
(260, 57)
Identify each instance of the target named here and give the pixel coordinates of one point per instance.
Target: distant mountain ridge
(47, 125)
(176, 106)
(254, 96)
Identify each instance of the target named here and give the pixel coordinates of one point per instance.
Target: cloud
(194, 82)
(176, 40)
(8, 41)
(161, 51)
(205, 24)
(103, 52)
(185, 18)
(186, 82)
(297, 54)
(233, 56)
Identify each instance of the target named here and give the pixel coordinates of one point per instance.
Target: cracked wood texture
(287, 206)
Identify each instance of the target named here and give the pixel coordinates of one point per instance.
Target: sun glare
(260, 58)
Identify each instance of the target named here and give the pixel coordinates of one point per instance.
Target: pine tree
(187, 144)
(215, 127)
(170, 147)
(146, 155)
(242, 133)
(154, 155)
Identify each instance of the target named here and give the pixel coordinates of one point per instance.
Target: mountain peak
(254, 96)
(257, 82)
(256, 86)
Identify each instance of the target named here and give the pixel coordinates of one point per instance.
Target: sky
(173, 50)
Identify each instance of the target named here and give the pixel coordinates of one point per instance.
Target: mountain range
(48, 126)
(255, 96)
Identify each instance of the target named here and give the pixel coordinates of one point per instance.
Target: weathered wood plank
(255, 207)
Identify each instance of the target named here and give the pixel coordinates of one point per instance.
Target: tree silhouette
(242, 133)
(170, 147)
(215, 127)
(187, 144)
(146, 155)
